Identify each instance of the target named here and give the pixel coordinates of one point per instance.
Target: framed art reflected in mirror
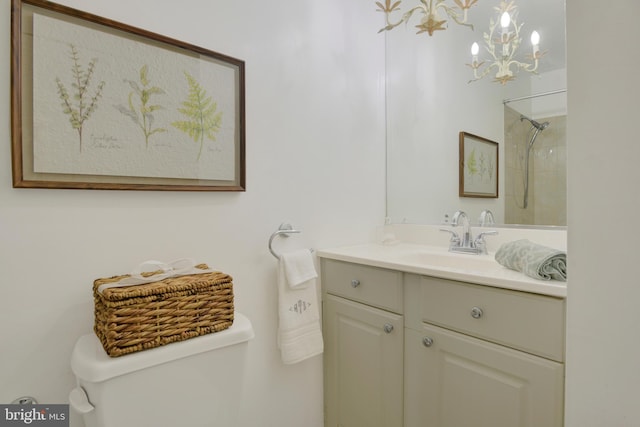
(478, 166)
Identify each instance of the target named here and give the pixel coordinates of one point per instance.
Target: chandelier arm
(525, 66)
(489, 45)
(407, 15)
(516, 40)
(453, 14)
(490, 48)
(483, 74)
(429, 8)
(405, 18)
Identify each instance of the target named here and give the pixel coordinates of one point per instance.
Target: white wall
(603, 318)
(315, 157)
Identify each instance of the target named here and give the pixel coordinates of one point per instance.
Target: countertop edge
(508, 279)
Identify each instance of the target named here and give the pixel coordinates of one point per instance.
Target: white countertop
(436, 261)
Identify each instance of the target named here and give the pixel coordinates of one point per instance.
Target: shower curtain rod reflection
(537, 95)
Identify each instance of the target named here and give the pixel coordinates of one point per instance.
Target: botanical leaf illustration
(203, 120)
(483, 166)
(471, 163)
(139, 108)
(80, 105)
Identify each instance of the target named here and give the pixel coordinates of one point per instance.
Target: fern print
(472, 166)
(139, 108)
(203, 120)
(483, 166)
(81, 104)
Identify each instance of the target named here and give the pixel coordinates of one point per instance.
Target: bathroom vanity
(416, 336)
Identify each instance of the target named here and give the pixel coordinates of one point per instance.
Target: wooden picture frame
(479, 163)
(98, 104)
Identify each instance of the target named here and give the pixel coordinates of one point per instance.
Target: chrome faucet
(486, 218)
(466, 244)
(458, 217)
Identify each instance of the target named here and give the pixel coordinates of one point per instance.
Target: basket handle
(180, 267)
(153, 265)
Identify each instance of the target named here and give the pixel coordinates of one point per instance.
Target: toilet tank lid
(91, 363)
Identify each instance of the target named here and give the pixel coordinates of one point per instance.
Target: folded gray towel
(537, 261)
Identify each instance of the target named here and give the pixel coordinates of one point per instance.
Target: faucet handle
(454, 236)
(480, 243)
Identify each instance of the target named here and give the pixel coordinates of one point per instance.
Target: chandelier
(503, 47)
(430, 21)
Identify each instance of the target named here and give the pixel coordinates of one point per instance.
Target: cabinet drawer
(528, 322)
(370, 285)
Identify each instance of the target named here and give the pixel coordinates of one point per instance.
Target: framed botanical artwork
(478, 166)
(98, 104)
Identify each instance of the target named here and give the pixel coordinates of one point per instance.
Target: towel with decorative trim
(534, 260)
(299, 330)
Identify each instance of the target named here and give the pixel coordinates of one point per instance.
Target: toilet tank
(196, 382)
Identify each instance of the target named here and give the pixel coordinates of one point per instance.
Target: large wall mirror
(430, 101)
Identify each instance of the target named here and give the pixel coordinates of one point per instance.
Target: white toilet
(193, 383)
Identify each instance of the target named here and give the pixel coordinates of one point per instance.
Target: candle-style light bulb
(535, 41)
(535, 38)
(475, 49)
(505, 20)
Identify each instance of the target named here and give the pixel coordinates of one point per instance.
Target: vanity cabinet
(416, 351)
(364, 345)
(482, 356)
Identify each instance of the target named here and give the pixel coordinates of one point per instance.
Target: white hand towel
(299, 268)
(299, 330)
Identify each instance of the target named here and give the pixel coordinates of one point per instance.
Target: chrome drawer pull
(476, 312)
(428, 342)
(388, 328)
(355, 283)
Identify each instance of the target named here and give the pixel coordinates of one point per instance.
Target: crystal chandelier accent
(432, 12)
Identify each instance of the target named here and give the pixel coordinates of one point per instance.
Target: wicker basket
(135, 318)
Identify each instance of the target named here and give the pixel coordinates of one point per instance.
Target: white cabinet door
(457, 381)
(363, 365)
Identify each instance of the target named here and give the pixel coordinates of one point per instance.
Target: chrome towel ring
(284, 231)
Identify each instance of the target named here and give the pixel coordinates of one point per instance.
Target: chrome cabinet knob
(427, 342)
(388, 328)
(355, 283)
(476, 312)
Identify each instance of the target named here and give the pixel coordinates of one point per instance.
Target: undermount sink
(449, 260)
